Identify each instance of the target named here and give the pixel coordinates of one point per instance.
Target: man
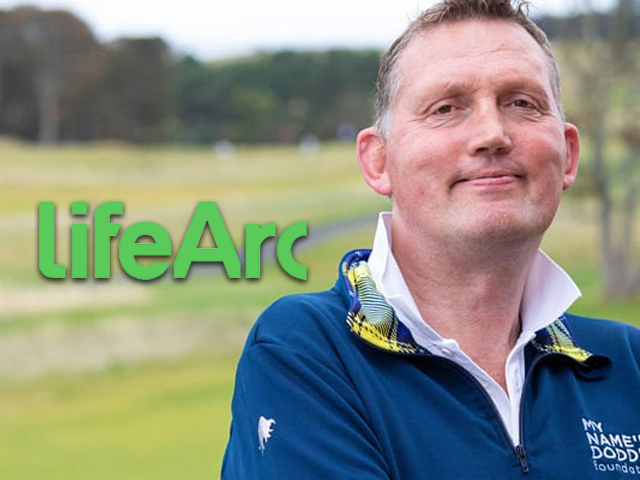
(445, 352)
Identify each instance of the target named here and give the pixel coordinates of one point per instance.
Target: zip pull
(521, 454)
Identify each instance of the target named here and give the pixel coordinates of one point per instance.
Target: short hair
(449, 11)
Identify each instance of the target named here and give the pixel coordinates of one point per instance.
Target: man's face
(476, 147)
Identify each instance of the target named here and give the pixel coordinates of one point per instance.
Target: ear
(371, 152)
(572, 140)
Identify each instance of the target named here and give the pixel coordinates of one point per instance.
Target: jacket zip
(522, 456)
(519, 451)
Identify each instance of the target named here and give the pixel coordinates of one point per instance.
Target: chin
(508, 228)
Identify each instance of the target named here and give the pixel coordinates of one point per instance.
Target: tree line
(59, 83)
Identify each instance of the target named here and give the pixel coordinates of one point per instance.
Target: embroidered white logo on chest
(264, 431)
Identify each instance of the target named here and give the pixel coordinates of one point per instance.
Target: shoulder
(607, 337)
(300, 318)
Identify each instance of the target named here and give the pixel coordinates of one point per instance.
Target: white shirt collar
(548, 293)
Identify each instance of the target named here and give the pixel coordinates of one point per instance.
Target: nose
(487, 132)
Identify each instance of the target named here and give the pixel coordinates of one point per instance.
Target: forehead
(462, 48)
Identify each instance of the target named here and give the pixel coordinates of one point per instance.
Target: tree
(137, 90)
(51, 55)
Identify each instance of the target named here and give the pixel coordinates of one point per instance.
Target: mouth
(489, 179)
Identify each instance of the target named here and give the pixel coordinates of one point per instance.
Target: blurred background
(254, 106)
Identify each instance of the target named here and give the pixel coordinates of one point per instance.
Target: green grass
(166, 416)
(161, 421)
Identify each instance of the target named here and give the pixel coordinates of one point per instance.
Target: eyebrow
(527, 84)
(461, 87)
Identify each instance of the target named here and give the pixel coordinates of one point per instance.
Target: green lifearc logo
(206, 213)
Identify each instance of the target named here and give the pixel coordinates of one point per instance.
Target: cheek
(421, 163)
(548, 155)
(413, 179)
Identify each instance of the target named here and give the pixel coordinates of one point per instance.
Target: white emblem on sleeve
(264, 431)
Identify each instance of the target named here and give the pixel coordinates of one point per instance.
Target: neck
(471, 294)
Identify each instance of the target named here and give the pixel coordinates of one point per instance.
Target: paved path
(316, 235)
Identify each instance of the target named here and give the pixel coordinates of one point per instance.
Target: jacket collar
(374, 321)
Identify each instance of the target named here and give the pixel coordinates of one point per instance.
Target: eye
(444, 109)
(445, 112)
(522, 103)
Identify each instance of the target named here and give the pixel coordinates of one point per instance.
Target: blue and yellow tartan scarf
(373, 320)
